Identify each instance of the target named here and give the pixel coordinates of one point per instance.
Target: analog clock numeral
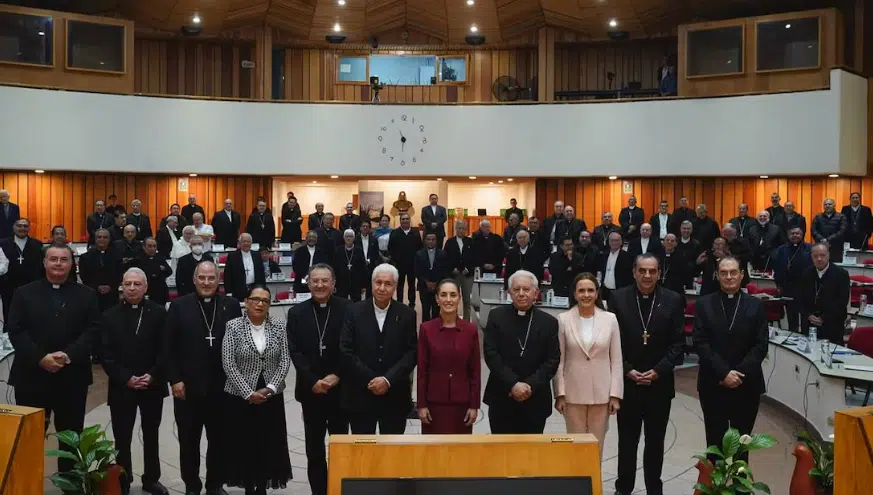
(380, 139)
(403, 118)
(384, 128)
(392, 121)
(402, 163)
(422, 150)
(421, 128)
(414, 160)
(423, 140)
(392, 158)
(413, 120)
(384, 150)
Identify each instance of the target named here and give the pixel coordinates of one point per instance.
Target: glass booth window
(715, 51)
(786, 45)
(94, 46)
(410, 70)
(26, 39)
(352, 69)
(453, 69)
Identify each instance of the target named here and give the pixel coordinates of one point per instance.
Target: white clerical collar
(405, 231)
(685, 241)
(207, 299)
(197, 257)
(522, 312)
(631, 207)
(380, 311)
(56, 286)
(431, 250)
(763, 224)
(523, 249)
(855, 208)
(822, 272)
(135, 214)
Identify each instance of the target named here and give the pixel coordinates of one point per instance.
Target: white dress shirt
(250, 269)
(609, 276)
(259, 337)
(229, 215)
(311, 250)
(460, 241)
(645, 244)
(586, 330)
(4, 263)
(381, 314)
(20, 242)
(365, 245)
(662, 222)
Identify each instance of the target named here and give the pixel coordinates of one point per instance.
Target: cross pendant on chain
(645, 337)
(20, 259)
(210, 339)
(321, 349)
(349, 266)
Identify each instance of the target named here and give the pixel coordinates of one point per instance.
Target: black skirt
(257, 443)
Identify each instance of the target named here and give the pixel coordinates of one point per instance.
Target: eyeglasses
(259, 300)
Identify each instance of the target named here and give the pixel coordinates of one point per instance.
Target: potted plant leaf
(94, 470)
(729, 474)
(822, 470)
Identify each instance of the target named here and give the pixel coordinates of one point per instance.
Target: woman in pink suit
(589, 383)
(449, 368)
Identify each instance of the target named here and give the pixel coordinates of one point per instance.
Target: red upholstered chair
(861, 340)
(173, 295)
(283, 295)
(753, 289)
(689, 324)
(222, 258)
(868, 261)
(775, 309)
(855, 292)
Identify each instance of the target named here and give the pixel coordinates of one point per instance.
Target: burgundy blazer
(449, 364)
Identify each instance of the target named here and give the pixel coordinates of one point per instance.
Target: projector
(335, 38)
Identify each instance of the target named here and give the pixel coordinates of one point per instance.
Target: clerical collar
(207, 300)
(855, 208)
(322, 304)
(405, 231)
(763, 224)
(56, 286)
(685, 241)
(822, 272)
(134, 306)
(349, 248)
(631, 207)
(135, 214)
(644, 296)
(523, 312)
(729, 296)
(430, 250)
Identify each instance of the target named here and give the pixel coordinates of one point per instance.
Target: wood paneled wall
(193, 68)
(310, 74)
(592, 197)
(67, 198)
(583, 66)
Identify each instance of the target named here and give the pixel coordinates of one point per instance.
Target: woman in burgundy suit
(449, 368)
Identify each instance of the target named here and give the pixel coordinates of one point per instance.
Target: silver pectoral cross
(20, 259)
(350, 266)
(645, 337)
(210, 339)
(321, 349)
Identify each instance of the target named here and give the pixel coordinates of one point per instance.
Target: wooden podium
(22, 443)
(853, 451)
(462, 456)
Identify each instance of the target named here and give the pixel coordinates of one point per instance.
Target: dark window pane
(453, 69)
(791, 44)
(26, 39)
(715, 51)
(95, 46)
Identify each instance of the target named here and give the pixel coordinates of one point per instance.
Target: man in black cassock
(316, 218)
(488, 249)
(261, 226)
(431, 266)
(522, 256)
(350, 268)
(631, 218)
(52, 325)
(127, 249)
(100, 269)
(225, 224)
(191, 208)
(186, 264)
(731, 338)
(832, 228)
(521, 350)
(824, 297)
(100, 219)
(403, 243)
(133, 337)
(329, 238)
(350, 220)
(859, 219)
(651, 320)
(141, 221)
(378, 347)
(195, 329)
(25, 262)
(313, 341)
(157, 271)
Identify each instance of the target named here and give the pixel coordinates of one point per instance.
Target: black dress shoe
(156, 488)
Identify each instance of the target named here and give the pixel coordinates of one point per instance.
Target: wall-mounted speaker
(618, 35)
(335, 38)
(475, 39)
(191, 30)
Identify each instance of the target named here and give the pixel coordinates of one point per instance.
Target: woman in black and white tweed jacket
(255, 357)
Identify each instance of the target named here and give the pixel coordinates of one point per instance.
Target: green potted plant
(822, 469)
(730, 475)
(94, 470)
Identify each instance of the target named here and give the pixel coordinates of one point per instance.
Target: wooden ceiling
(443, 21)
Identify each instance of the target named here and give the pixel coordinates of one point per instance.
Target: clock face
(402, 140)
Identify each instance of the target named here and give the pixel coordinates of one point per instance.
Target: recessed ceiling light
(500, 182)
(473, 28)
(472, 177)
(196, 19)
(315, 182)
(613, 23)
(470, 2)
(492, 183)
(41, 33)
(336, 28)
(192, 175)
(765, 176)
(334, 176)
(788, 26)
(510, 179)
(612, 177)
(834, 176)
(39, 171)
(341, 2)
(439, 178)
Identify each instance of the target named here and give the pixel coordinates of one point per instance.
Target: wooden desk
(22, 461)
(462, 456)
(853, 458)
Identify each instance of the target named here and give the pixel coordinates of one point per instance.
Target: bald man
(243, 269)
(226, 223)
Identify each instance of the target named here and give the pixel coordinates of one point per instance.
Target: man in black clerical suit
(141, 221)
(589, 253)
(243, 269)
(462, 263)
(191, 208)
(431, 266)
(292, 219)
(764, 237)
(681, 214)
(523, 256)
(100, 219)
(631, 218)
(824, 297)
(378, 346)
(645, 243)
(329, 238)
(307, 255)
(52, 326)
(225, 224)
(521, 350)
(186, 264)
(743, 221)
(538, 239)
(25, 262)
(350, 269)
(860, 222)
(9, 214)
(731, 338)
(600, 237)
(675, 271)
(434, 218)
(403, 243)
(513, 228)
(314, 328)
(195, 329)
(513, 208)
(350, 220)
(157, 270)
(261, 226)
(832, 228)
(116, 232)
(316, 218)
(127, 249)
(564, 265)
(652, 320)
(789, 266)
(132, 335)
(706, 229)
(175, 211)
(488, 249)
(101, 270)
(571, 226)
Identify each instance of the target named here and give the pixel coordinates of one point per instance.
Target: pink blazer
(594, 376)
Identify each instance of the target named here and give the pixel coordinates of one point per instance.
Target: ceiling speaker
(191, 30)
(475, 39)
(618, 35)
(335, 38)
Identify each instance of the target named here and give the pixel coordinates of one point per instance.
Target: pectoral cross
(349, 266)
(210, 339)
(645, 338)
(321, 349)
(20, 259)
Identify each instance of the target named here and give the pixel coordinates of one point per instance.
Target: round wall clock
(402, 141)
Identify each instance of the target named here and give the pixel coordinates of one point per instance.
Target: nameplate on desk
(285, 246)
(489, 276)
(850, 260)
(561, 302)
(868, 311)
(303, 296)
(856, 367)
(80, 250)
(284, 259)
(256, 246)
(218, 247)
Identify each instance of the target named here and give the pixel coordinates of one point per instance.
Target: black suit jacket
(143, 225)
(624, 268)
(315, 220)
(460, 259)
(292, 219)
(635, 247)
(32, 268)
(655, 222)
(188, 356)
(722, 349)
(680, 215)
(350, 281)
(188, 212)
(226, 230)
(262, 234)
(94, 274)
(300, 264)
(374, 257)
(423, 271)
(367, 353)
(157, 270)
(235, 274)
(664, 348)
(563, 271)
(95, 222)
(329, 240)
(38, 326)
(428, 217)
(303, 345)
(402, 247)
(185, 273)
(165, 241)
(130, 351)
(860, 225)
(536, 367)
(8, 221)
(628, 217)
(488, 251)
(827, 298)
(352, 221)
(531, 261)
(571, 229)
